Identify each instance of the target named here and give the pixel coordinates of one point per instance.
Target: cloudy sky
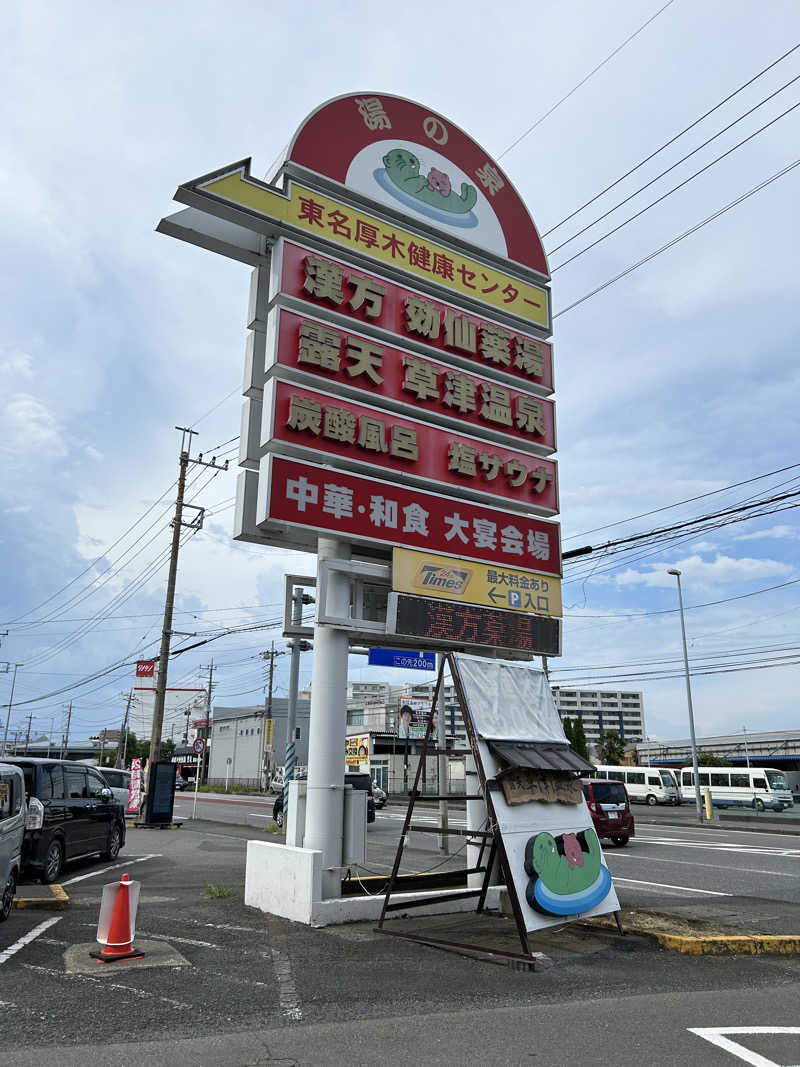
(677, 381)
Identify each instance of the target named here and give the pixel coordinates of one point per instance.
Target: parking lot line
(116, 866)
(716, 1035)
(27, 938)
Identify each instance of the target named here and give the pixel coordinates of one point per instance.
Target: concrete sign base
(287, 881)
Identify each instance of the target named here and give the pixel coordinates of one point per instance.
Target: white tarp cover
(508, 701)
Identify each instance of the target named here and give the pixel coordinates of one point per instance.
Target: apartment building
(602, 710)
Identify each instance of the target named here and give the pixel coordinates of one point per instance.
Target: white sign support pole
(444, 839)
(328, 725)
(196, 784)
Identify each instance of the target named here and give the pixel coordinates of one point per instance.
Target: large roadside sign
(398, 368)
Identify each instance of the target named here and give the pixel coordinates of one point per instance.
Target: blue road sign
(398, 657)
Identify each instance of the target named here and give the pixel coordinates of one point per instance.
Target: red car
(610, 809)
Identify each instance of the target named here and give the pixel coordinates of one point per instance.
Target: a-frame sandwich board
(490, 840)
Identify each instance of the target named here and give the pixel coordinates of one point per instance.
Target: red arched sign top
(421, 164)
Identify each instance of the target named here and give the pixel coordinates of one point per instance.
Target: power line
(680, 503)
(583, 81)
(96, 561)
(676, 240)
(688, 607)
(672, 140)
(664, 196)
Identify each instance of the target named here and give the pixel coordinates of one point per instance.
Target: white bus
(752, 787)
(651, 785)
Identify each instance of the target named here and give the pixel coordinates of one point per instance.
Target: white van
(651, 785)
(749, 787)
(12, 831)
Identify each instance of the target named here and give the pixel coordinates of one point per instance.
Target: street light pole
(695, 767)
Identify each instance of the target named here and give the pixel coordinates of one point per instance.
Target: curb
(57, 900)
(747, 945)
(709, 944)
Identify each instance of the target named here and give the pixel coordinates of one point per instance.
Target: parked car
(180, 783)
(119, 782)
(12, 831)
(353, 778)
(609, 806)
(71, 813)
(378, 795)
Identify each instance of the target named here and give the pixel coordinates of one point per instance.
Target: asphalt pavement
(239, 987)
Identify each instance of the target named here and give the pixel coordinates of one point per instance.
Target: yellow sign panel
(356, 750)
(381, 241)
(489, 585)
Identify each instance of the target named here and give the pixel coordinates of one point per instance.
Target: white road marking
(715, 1035)
(141, 993)
(115, 867)
(229, 837)
(722, 846)
(287, 990)
(27, 938)
(213, 926)
(679, 888)
(693, 863)
(179, 940)
(706, 831)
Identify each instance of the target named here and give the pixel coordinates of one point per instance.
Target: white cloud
(782, 532)
(15, 364)
(30, 425)
(722, 569)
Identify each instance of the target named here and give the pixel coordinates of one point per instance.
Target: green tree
(709, 759)
(612, 748)
(568, 731)
(579, 742)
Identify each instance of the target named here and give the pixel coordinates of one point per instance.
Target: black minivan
(71, 813)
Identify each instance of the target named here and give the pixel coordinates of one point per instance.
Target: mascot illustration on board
(567, 875)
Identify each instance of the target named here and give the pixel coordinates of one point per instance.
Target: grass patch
(271, 828)
(218, 892)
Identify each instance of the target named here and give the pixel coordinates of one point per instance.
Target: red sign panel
(379, 302)
(357, 433)
(348, 505)
(145, 668)
(410, 139)
(361, 363)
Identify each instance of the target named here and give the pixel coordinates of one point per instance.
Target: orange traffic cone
(116, 925)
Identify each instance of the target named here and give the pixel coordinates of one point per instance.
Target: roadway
(662, 863)
(241, 987)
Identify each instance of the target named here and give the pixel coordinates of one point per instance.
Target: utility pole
(123, 734)
(10, 702)
(268, 703)
(166, 633)
(28, 732)
(697, 798)
(210, 669)
(66, 733)
(271, 677)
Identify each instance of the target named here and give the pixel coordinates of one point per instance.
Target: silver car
(12, 830)
(119, 782)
